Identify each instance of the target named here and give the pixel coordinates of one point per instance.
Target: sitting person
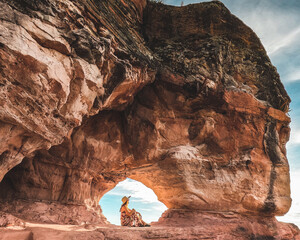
(131, 218)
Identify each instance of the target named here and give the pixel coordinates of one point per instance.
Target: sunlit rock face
(60, 63)
(215, 127)
(184, 100)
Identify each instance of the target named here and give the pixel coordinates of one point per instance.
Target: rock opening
(143, 199)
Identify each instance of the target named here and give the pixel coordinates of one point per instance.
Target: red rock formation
(60, 64)
(184, 100)
(208, 226)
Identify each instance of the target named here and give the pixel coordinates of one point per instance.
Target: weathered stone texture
(182, 99)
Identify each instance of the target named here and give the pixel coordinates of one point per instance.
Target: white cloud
(294, 75)
(282, 41)
(146, 209)
(160, 208)
(295, 137)
(138, 191)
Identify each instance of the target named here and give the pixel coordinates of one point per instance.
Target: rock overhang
(184, 100)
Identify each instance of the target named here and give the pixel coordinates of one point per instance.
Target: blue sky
(276, 22)
(142, 199)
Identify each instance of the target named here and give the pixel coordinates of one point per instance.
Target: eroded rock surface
(184, 100)
(208, 226)
(60, 62)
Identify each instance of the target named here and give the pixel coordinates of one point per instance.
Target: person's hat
(125, 199)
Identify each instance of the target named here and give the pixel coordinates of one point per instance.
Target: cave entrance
(143, 199)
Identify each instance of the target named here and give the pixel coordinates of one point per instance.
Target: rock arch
(197, 113)
(189, 158)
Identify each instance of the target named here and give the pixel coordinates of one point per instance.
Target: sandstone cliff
(182, 99)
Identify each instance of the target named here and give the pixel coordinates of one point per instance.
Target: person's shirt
(126, 210)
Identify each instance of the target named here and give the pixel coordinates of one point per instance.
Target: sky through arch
(143, 199)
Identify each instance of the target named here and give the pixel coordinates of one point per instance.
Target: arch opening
(143, 199)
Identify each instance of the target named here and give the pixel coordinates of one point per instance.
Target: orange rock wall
(182, 99)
